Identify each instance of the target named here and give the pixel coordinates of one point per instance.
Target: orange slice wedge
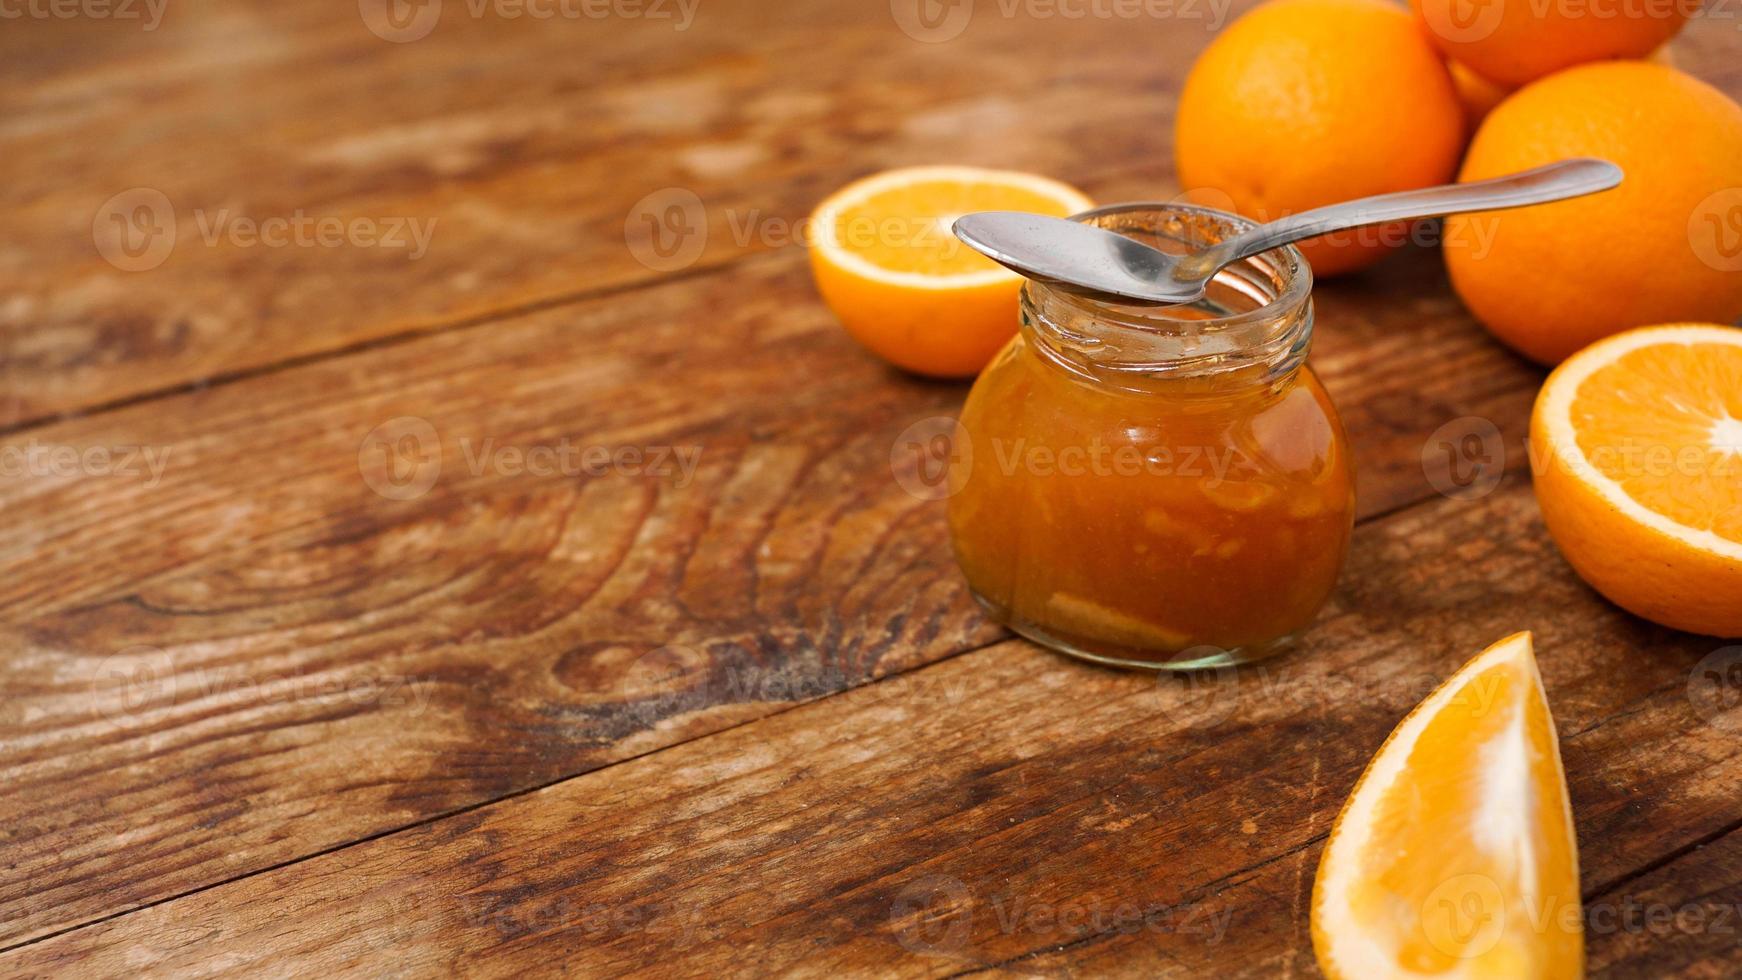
(1454, 856)
(1636, 449)
(888, 265)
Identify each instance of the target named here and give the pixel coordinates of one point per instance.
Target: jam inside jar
(1165, 487)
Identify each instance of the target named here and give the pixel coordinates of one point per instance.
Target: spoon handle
(1554, 182)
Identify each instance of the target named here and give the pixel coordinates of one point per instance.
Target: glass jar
(1163, 487)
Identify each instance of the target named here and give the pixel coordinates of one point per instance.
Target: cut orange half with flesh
(1454, 856)
(1636, 454)
(888, 265)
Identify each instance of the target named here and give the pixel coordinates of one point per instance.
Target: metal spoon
(1083, 258)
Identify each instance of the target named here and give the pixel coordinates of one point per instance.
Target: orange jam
(1161, 487)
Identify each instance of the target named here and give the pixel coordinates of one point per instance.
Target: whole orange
(1302, 103)
(1517, 41)
(1665, 246)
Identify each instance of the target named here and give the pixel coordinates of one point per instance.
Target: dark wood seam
(382, 342)
(1659, 862)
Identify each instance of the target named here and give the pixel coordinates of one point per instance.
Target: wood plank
(527, 153)
(1685, 916)
(979, 812)
(348, 663)
(333, 664)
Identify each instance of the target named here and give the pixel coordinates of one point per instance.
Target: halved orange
(888, 265)
(1636, 447)
(1455, 855)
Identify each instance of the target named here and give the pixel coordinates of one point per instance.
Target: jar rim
(1108, 339)
(1296, 272)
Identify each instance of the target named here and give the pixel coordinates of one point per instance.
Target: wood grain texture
(1681, 918)
(1006, 808)
(526, 150)
(353, 663)
(766, 721)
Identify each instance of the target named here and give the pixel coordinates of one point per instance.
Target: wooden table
(321, 656)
